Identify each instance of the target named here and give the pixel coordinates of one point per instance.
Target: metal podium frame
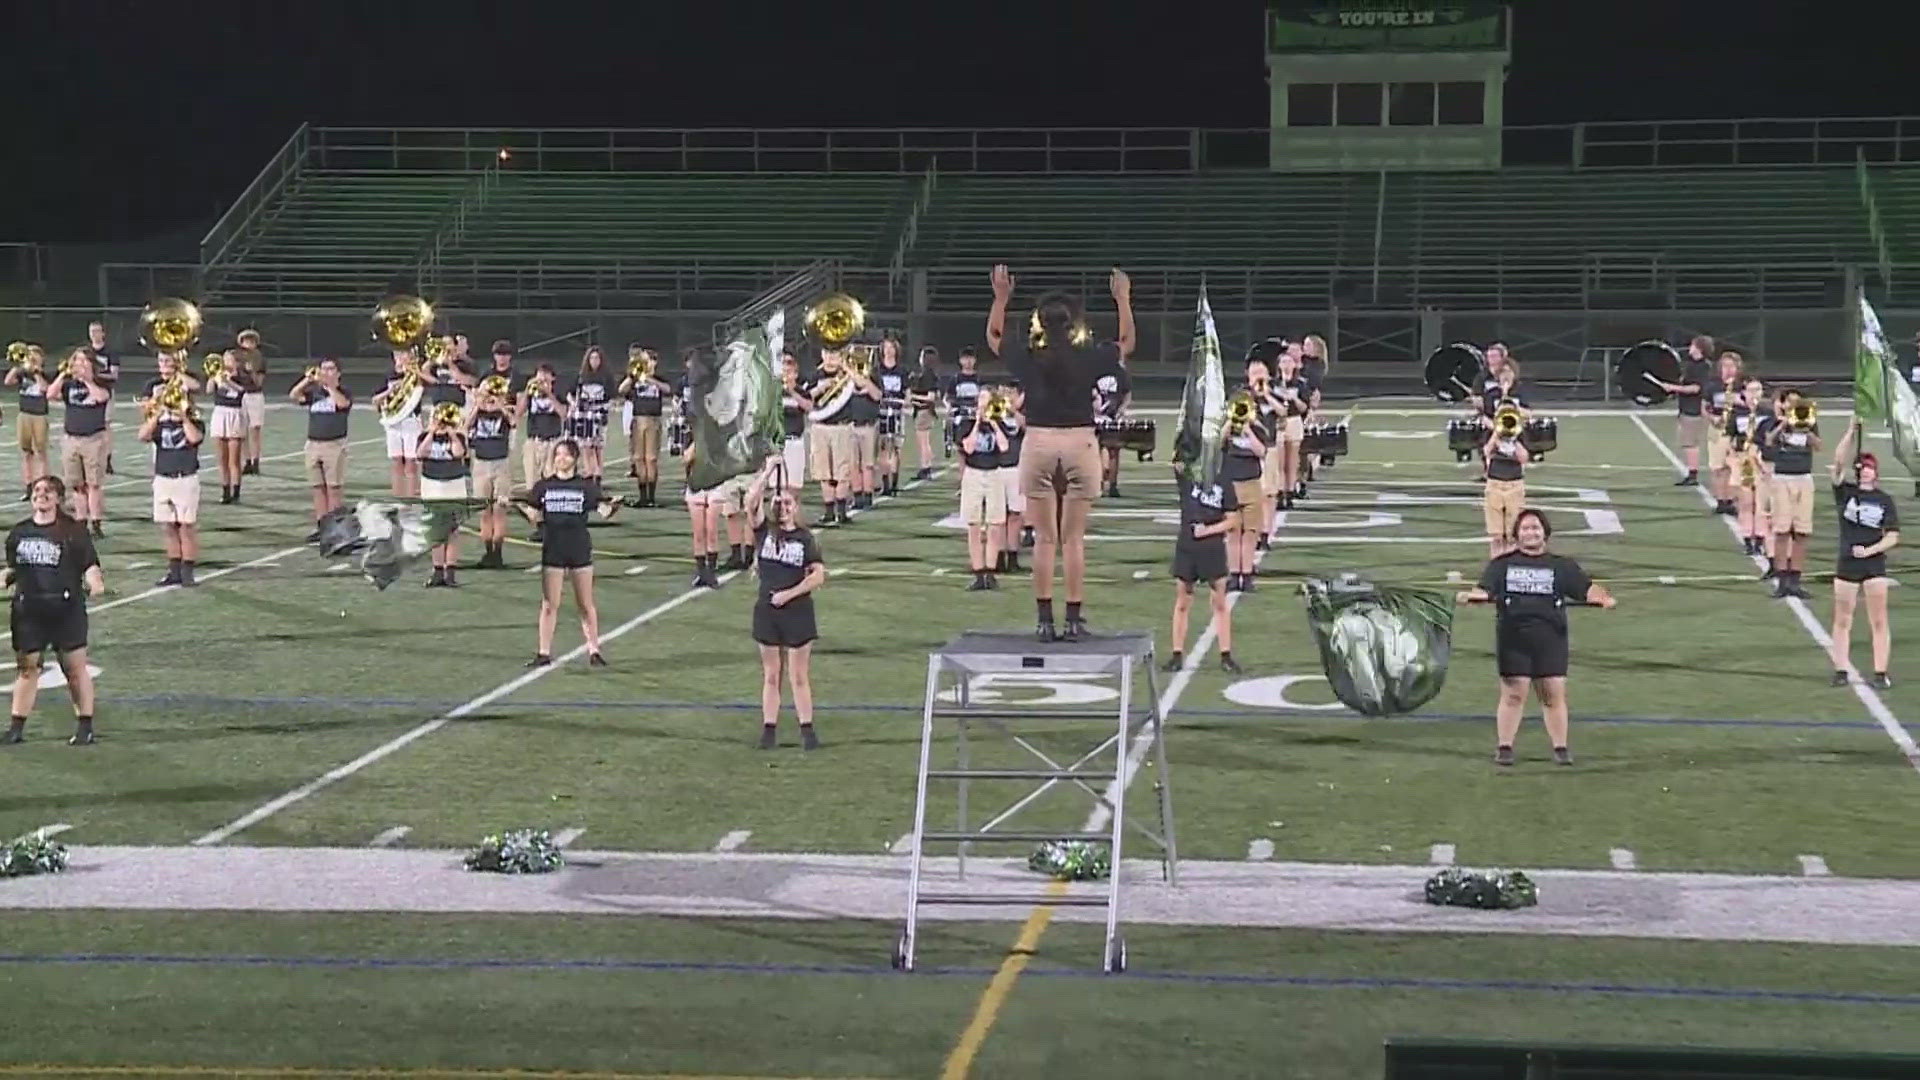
(1120, 657)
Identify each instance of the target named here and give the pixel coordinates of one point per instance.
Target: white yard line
(566, 836)
(1875, 706)
(632, 570)
(1259, 850)
(733, 840)
(1440, 855)
(1622, 859)
(1814, 866)
(390, 837)
(263, 560)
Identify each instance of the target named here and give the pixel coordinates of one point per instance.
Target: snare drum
(890, 425)
(1329, 441)
(1541, 435)
(1465, 437)
(588, 426)
(1138, 436)
(679, 434)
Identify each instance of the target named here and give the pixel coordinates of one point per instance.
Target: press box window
(1358, 105)
(1410, 104)
(1310, 105)
(1462, 103)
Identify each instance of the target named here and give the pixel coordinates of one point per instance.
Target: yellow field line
(994, 997)
(249, 1072)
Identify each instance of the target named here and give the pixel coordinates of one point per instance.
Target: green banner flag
(1203, 403)
(1903, 419)
(737, 424)
(1873, 361)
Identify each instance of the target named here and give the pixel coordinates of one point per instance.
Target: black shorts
(790, 627)
(566, 549)
(1195, 564)
(1858, 570)
(39, 625)
(1530, 651)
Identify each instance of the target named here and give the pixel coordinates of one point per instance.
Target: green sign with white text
(1387, 26)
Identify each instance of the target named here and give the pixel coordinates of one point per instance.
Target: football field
(285, 702)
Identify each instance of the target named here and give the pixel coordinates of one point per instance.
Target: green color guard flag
(1873, 362)
(1203, 403)
(737, 424)
(1903, 418)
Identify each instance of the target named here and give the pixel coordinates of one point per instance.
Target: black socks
(1045, 609)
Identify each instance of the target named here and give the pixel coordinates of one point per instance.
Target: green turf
(263, 679)
(846, 1015)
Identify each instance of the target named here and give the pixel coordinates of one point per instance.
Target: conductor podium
(961, 720)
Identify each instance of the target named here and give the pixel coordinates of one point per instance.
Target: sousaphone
(1453, 371)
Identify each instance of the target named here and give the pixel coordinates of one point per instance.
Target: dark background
(122, 120)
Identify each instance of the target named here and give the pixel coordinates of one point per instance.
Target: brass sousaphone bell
(170, 325)
(402, 320)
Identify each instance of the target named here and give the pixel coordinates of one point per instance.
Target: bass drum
(1641, 369)
(1138, 436)
(1453, 371)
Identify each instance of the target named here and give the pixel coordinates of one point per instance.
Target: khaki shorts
(924, 420)
(33, 434)
(1250, 495)
(536, 460)
(1064, 462)
(1691, 428)
(176, 499)
(730, 496)
(1719, 450)
(492, 480)
(1763, 491)
(326, 462)
(983, 496)
(645, 436)
(229, 422)
(830, 450)
(1010, 485)
(1505, 500)
(1793, 505)
(255, 407)
(866, 442)
(1294, 430)
(83, 459)
(1270, 475)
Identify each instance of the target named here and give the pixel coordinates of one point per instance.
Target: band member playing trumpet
(403, 438)
(171, 425)
(962, 394)
(29, 373)
(923, 395)
(542, 414)
(53, 568)
(892, 379)
(1745, 471)
(489, 430)
(983, 499)
(1505, 456)
(784, 625)
(1530, 588)
(1058, 365)
(230, 386)
(647, 393)
(1869, 528)
(83, 448)
(254, 405)
(324, 455)
(443, 479)
(1248, 438)
(1015, 426)
(1209, 513)
(1795, 438)
(1719, 461)
(560, 504)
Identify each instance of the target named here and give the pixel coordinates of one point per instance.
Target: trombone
(641, 363)
(1508, 420)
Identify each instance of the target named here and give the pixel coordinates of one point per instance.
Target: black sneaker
(1045, 633)
(979, 582)
(769, 737)
(1780, 588)
(1174, 662)
(1562, 756)
(1229, 665)
(1076, 630)
(82, 736)
(438, 580)
(540, 660)
(313, 537)
(1503, 755)
(172, 578)
(1839, 679)
(992, 582)
(808, 740)
(13, 736)
(1882, 681)
(1794, 590)
(594, 659)
(1689, 480)
(1770, 573)
(99, 533)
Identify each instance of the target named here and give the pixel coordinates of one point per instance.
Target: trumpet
(495, 386)
(312, 374)
(1803, 414)
(436, 349)
(19, 353)
(641, 363)
(446, 414)
(1240, 413)
(171, 399)
(541, 385)
(996, 409)
(1507, 419)
(212, 366)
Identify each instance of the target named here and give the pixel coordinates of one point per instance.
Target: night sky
(139, 117)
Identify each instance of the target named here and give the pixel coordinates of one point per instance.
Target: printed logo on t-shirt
(784, 552)
(563, 501)
(1795, 438)
(1210, 496)
(1865, 514)
(489, 427)
(323, 403)
(172, 437)
(36, 551)
(1530, 580)
(440, 449)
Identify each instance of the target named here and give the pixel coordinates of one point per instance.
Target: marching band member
(1497, 355)
(728, 504)
(891, 378)
(1686, 395)
(923, 393)
(502, 357)
(784, 625)
(1058, 366)
(1743, 464)
(489, 430)
(1272, 416)
(1248, 436)
(830, 438)
(1015, 426)
(983, 501)
(1505, 460)
(1530, 587)
(1765, 417)
(176, 438)
(325, 453)
(1112, 397)
(1313, 368)
(592, 398)
(703, 509)
(53, 568)
(962, 391)
(31, 427)
(106, 372)
(542, 414)
(450, 377)
(793, 422)
(1719, 462)
(559, 505)
(254, 403)
(647, 396)
(1209, 512)
(863, 418)
(403, 438)
(1869, 528)
(1505, 386)
(1794, 444)
(1297, 396)
(230, 388)
(83, 446)
(443, 479)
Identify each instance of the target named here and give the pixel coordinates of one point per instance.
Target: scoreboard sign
(1387, 26)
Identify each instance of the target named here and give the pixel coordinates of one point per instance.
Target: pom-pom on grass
(31, 854)
(1071, 860)
(519, 851)
(1477, 889)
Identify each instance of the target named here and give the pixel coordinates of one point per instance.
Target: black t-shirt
(516, 381)
(1865, 516)
(862, 409)
(649, 397)
(1762, 435)
(83, 418)
(446, 389)
(1694, 373)
(441, 458)
(594, 391)
(963, 391)
(44, 565)
(326, 421)
(106, 368)
(394, 379)
(783, 559)
(1300, 403)
(892, 382)
(1060, 381)
(1737, 423)
(1204, 504)
(564, 503)
(173, 455)
(819, 389)
(1503, 462)
(1016, 435)
(543, 416)
(923, 382)
(977, 448)
(1794, 454)
(1241, 462)
(492, 430)
(1533, 590)
(1110, 393)
(33, 392)
(229, 392)
(1490, 403)
(793, 416)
